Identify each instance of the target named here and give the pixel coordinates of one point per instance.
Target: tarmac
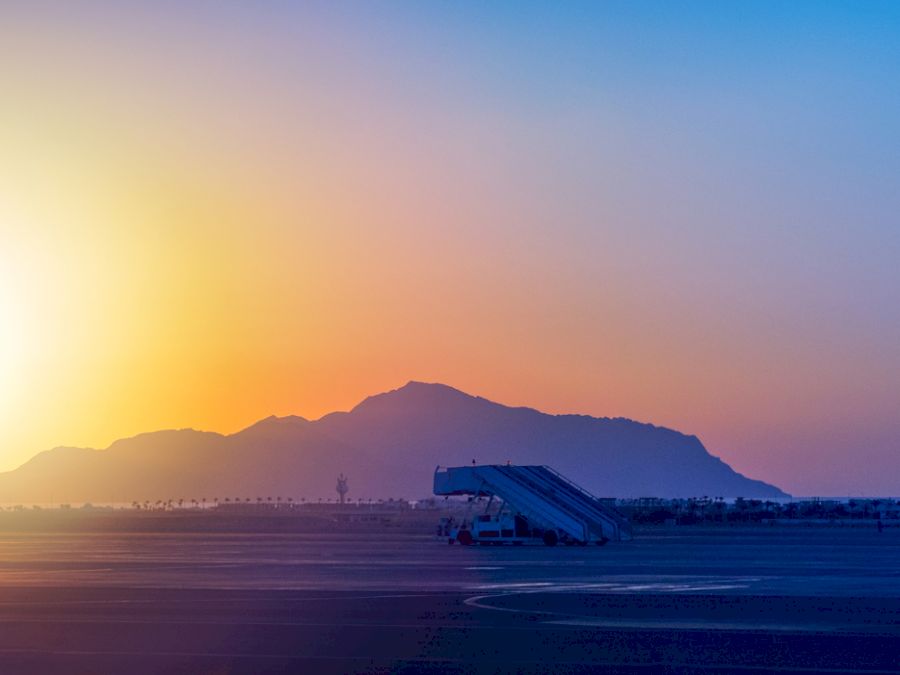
(682, 599)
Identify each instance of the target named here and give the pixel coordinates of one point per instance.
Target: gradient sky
(683, 213)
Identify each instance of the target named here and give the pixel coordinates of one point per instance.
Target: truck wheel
(550, 538)
(464, 538)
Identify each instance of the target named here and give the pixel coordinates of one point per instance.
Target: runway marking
(581, 620)
(480, 601)
(540, 585)
(483, 568)
(476, 601)
(691, 584)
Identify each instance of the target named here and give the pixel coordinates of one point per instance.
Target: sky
(684, 213)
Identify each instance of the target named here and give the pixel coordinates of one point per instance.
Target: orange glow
(205, 222)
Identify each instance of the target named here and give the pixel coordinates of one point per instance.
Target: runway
(683, 600)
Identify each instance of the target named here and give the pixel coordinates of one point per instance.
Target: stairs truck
(528, 504)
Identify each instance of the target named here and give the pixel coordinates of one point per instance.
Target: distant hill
(388, 446)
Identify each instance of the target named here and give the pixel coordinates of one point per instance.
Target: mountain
(388, 446)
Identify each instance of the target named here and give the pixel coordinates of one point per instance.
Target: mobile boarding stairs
(533, 504)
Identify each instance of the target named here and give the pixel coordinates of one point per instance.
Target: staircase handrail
(610, 514)
(614, 512)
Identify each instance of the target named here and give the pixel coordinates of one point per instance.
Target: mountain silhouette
(388, 446)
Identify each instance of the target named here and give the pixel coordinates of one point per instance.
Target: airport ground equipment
(526, 504)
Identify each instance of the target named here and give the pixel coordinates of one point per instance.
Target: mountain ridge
(388, 444)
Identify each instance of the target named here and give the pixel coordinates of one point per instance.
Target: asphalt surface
(747, 600)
